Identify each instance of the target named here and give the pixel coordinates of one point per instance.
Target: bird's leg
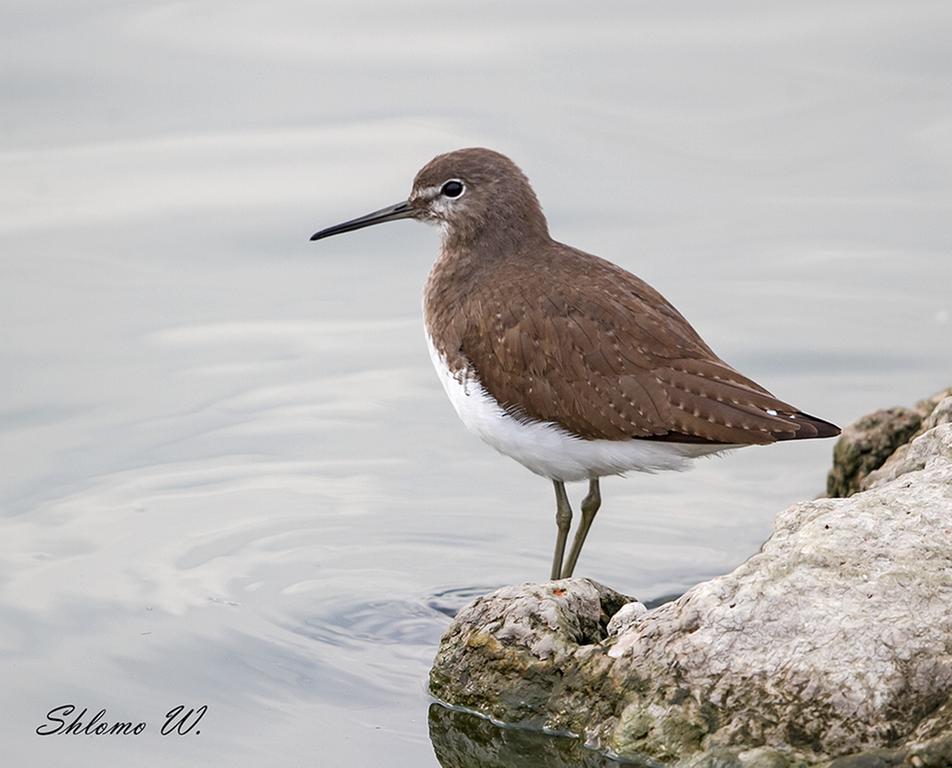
(563, 519)
(590, 505)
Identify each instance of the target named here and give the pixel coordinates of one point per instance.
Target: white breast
(549, 450)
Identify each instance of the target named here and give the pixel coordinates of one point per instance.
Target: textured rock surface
(915, 454)
(867, 443)
(832, 643)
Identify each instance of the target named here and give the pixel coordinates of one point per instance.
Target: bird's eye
(452, 188)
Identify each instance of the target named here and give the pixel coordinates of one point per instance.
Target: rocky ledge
(832, 645)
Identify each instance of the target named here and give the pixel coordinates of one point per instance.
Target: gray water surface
(229, 476)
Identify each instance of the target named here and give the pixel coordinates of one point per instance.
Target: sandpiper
(566, 362)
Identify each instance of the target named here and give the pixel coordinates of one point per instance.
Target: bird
(562, 360)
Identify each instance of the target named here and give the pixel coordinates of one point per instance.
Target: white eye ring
(452, 188)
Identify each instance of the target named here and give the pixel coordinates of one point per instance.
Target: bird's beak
(390, 213)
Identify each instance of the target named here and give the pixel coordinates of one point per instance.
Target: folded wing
(609, 358)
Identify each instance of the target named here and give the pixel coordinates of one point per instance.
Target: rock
(866, 444)
(928, 406)
(915, 455)
(525, 632)
(833, 643)
(941, 414)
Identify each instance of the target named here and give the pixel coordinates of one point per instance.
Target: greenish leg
(590, 505)
(563, 519)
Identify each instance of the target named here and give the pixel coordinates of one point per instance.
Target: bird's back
(557, 335)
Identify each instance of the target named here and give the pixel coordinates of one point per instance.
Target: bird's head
(467, 193)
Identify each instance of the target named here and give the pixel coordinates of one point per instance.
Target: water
(229, 475)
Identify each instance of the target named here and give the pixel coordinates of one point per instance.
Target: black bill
(390, 213)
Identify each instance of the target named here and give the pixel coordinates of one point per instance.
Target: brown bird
(566, 362)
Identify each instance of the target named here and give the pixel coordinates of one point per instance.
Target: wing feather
(606, 356)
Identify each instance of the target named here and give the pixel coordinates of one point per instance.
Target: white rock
(835, 639)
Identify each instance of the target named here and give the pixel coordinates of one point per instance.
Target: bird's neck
(490, 242)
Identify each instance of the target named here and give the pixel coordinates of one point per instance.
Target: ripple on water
(344, 623)
(450, 601)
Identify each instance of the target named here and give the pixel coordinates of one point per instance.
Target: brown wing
(607, 357)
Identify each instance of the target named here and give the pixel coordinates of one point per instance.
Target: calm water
(230, 476)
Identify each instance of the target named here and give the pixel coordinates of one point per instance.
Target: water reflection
(463, 740)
